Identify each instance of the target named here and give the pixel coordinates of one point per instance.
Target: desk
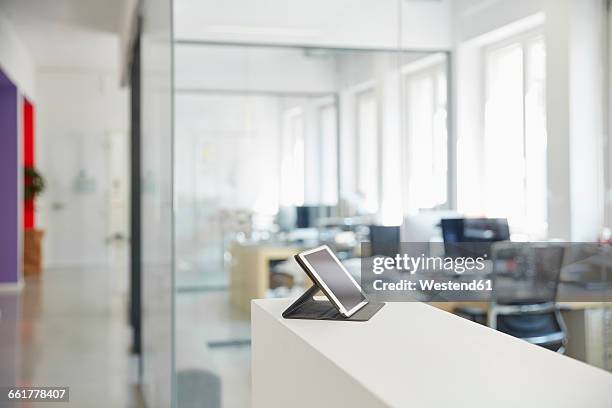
(250, 271)
(589, 325)
(451, 306)
(410, 355)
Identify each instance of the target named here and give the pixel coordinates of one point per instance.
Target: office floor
(69, 328)
(212, 338)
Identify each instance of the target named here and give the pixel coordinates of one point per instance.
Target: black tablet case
(306, 307)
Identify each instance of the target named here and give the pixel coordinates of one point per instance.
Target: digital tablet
(325, 269)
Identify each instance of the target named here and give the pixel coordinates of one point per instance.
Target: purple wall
(9, 178)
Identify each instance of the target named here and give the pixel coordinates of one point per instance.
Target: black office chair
(525, 280)
(472, 236)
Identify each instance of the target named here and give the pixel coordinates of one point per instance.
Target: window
(515, 135)
(367, 151)
(293, 183)
(328, 142)
(426, 128)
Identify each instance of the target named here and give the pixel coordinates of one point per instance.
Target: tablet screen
(339, 282)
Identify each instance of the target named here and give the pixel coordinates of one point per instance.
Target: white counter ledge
(410, 355)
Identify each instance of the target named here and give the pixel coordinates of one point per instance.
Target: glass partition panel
(278, 149)
(156, 169)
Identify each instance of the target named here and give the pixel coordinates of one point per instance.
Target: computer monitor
(384, 240)
(307, 216)
(473, 236)
(425, 225)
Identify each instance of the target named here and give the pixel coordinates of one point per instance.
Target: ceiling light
(259, 30)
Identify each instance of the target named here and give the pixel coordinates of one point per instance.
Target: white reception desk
(410, 355)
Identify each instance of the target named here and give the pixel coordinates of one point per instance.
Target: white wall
(255, 69)
(587, 85)
(76, 113)
(15, 60)
(575, 33)
(478, 23)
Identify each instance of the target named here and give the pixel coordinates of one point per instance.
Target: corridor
(69, 327)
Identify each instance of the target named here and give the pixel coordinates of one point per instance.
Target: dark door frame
(135, 202)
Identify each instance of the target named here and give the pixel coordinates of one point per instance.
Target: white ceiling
(367, 23)
(291, 19)
(68, 33)
(291, 14)
(83, 33)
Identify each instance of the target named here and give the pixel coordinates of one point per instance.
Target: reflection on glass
(426, 133)
(328, 142)
(366, 115)
(279, 149)
(294, 172)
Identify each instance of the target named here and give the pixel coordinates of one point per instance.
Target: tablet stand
(306, 307)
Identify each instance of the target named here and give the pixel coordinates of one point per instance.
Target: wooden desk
(250, 271)
(451, 306)
(589, 327)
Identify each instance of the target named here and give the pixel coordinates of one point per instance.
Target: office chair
(525, 281)
(472, 236)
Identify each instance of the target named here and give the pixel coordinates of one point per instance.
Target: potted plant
(34, 185)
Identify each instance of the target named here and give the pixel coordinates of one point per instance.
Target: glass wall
(278, 149)
(156, 203)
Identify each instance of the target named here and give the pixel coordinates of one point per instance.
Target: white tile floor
(69, 328)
